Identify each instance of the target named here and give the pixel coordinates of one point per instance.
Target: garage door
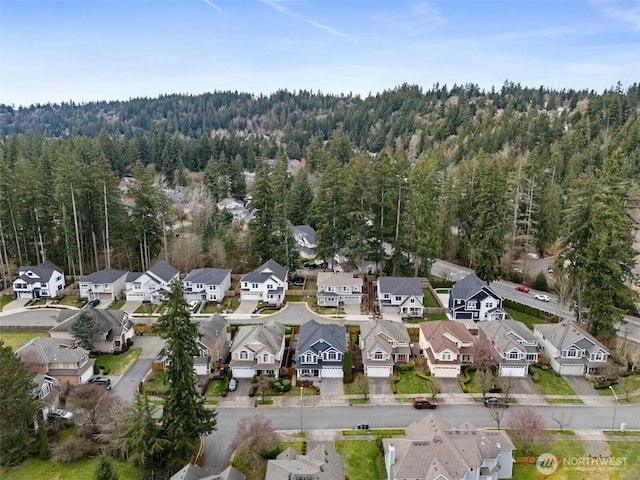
(444, 372)
(572, 369)
(251, 296)
(351, 299)
(332, 372)
(378, 372)
(513, 371)
(242, 372)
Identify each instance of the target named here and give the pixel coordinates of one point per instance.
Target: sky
(87, 50)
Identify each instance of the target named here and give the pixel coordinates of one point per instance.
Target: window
(489, 304)
(472, 305)
(332, 356)
(466, 358)
(513, 355)
(254, 285)
(244, 355)
(398, 298)
(598, 356)
(198, 285)
(308, 358)
(446, 356)
(572, 353)
(378, 356)
(265, 358)
(386, 295)
(531, 357)
(269, 286)
(412, 300)
(137, 286)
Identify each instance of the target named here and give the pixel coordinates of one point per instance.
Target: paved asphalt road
(378, 416)
(125, 387)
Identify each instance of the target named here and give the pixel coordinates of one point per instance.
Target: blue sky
(86, 50)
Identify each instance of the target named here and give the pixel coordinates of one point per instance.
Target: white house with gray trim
(150, 286)
(401, 295)
(104, 285)
(267, 283)
(44, 280)
(206, 284)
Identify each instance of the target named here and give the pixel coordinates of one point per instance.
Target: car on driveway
(522, 288)
(496, 402)
(101, 381)
(60, 414)
(91, 304)
(544, 298)
(193, 305)
(233, 384)
(423, 402)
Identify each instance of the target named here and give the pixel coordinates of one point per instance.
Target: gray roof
(371, 335)
(312, 332)
(321, 463)
(431, 448)
(46, 350)
(104, 276)
(336, 279)
(194, 472)
(111, 321)
(468, 287)
(44, 271)
(507, 333)
(270, 335)
(164, 271)
(567, 333)
(207, 276)
(305, 233)
(132, 276)
(400, 286)
(265, 271)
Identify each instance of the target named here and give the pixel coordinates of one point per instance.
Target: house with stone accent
(447, 346)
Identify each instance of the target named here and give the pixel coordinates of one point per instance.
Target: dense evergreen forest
(398, 178)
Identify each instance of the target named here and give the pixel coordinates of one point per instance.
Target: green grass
(17, 339)
(429, 299)
(4, 300)
(117, 305)
(559, 448)
(564, 431)
(528, 320)
(259, 402)
(634, 384)
(146, 309)
(358, 401)
(412, 383)
(72, 301)
(294, 298)
(626, 433)
(39, 302)
(383, 432)
(155, 385)
(630, 451)
(362, 459)
(116, 364)
(34, 469)
(551, 384)
(436, 316)
(217, 388)
(571, 401)
(212, 308)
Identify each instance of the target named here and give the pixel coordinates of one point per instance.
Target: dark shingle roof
(108, 320)
(400, 285)
(207, 276)
(163, 271)
(44, 271)
(263, 272)
(311, 332)
(104, 276)
(467, 287)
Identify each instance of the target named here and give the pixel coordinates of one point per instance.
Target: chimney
(392, 454)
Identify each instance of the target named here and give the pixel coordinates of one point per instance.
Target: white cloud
(278, 6)
(617, 11)
(421, 17)
(213, 5)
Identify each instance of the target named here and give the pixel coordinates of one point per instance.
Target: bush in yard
(277, 386)
(406, 367)
(74, 448)
(540, 282)
(286, 385)
(44, 453)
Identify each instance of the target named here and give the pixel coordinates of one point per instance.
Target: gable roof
(338, 279)
(400, 286)
(505, 334)
(435, 332)
(44, 272)
(109, 320)
(321, 463)
(46, 350)
(194, 472)
(265, 271)
(164, 271)
(104, 276)
(312, 331)
(468, 287)
(566, 333)
(207, 276)
(269, 335)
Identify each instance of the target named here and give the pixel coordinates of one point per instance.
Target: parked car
(233, 384)
(91, 304)
(496, 402)
(60, 414)
(101, 381)
(522, 288)
(539, 296)
(193, 305)
(423, 402)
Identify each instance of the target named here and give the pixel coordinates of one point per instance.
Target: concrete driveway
(330, 388)
(379, 386)
(581, 385)
(449, 385)
(352, 309)
(247, 306)
(524, 385)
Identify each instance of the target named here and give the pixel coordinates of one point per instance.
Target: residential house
(447, 345)
(267, 283)
(305, 237)
(433, 450)
(383, 344)
(58, 359)
(104, 285)
(213, 345)
(473, 299)
(151, 285)
(335, 288)
(44, 280)
(572, 351)
(515, 347)
(401, 295)
(320, 350)
(321, 463)
(194, 472)
(207, 284)
(115, 329)
(258, 349)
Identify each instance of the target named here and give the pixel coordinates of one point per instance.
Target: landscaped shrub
(252, 391)
(601, 384)
(406, 367)
(347, 367)
(43, 452)
(286, 385)
(540, 282)
(394, 383)
(467, 378)
(74, 448)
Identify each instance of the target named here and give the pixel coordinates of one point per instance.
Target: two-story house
(335, 288)
(305, 237)
(115, 329)
(447, 346)
(104, 285)
(44, 280)
(320, 350)
(433, 450)
(320, 463)
(401, 295)
(267, 283)
(213, 345)
(514, 345)
(151, 285)
(206, 284)
(193, 472)
(57, 358)
(572, 351)
(258, 349)
(472, 299)
(383, 344)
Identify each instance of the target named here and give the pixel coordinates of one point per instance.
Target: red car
(422, 402)
(522, 288)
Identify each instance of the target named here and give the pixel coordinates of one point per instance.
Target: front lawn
(560, 449)
(155, 384)
(217, 388)
(528, 320)
(117, 305)
(412, 383)
(145, 309)
(34, 469)
(72, 301)
(634, 384)
(17, 339)
(116, 364)
(630, 452)
(4, 300)
(551, 384)
(363, 459)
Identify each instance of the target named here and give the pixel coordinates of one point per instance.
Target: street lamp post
(614, 408)
(301, 410)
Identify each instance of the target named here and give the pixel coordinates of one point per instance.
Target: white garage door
(513, 371)
(351, 299)
(251, 296)
(242, 372)
(378, 371)
(332, 372)
(444, 372)
(572, 369)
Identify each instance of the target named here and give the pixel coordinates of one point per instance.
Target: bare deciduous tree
(496, 413)
(484, 379)
(527, 426)
(561, 420)
(363, 383)
(433, 387)
(256, 438)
